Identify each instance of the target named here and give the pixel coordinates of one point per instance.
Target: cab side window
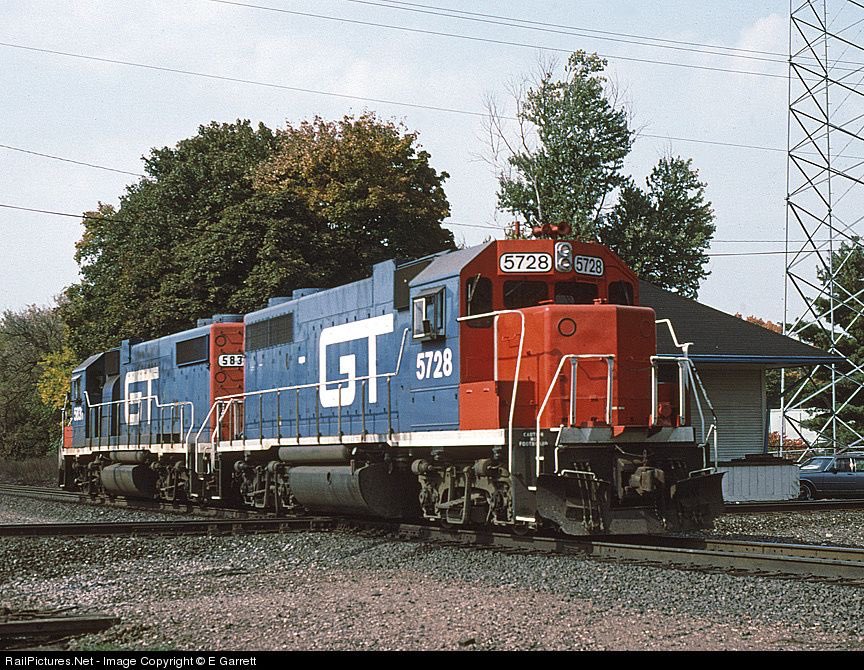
(522, 293)
(478, 300)
(428, 315)
(621, 293)
(575, 293)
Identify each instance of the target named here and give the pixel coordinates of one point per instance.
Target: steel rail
(167, 528)
(767, 558)
(757, 558)
(793, 506)
(160, 506)
(55, 627)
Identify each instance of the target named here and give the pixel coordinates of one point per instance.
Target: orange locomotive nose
(607, 347)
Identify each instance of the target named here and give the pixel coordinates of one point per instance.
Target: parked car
(837, 476)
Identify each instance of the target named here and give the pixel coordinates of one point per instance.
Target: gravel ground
(346, 591)
(32, 510)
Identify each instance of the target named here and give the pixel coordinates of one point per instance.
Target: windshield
(817, 464)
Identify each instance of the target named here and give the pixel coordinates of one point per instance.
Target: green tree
(135, 260)
(582, 140)
(238, 214)
(28, 427)
(839, 294)
(663, 231)
(565, 166)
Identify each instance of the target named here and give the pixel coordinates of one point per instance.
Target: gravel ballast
(339, 590)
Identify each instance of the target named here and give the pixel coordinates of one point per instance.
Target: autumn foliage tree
(28, 338)
(237, 214)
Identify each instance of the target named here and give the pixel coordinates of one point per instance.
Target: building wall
(738, 397)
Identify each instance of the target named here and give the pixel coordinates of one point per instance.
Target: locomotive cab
(596, 442)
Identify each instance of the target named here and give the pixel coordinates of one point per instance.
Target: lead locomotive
(511, 384)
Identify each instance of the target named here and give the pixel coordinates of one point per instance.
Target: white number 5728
(435, 364)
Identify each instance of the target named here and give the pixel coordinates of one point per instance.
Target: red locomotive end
(577, 314)
(226, 364)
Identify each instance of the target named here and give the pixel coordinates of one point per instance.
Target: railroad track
(28, 631)
(57, 495)
(46, 493)
(763, 558)
(168, 528)
(737, 557)
(793, 506)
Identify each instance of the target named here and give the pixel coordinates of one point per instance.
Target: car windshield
(819, 463)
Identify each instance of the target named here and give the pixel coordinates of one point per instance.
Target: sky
(688, 103)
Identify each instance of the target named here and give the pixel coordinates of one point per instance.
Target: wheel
(806, 491)
(522, 530)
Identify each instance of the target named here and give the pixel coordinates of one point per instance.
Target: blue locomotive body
(345, 361)
(511, 384)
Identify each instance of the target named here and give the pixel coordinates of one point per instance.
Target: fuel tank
(132, 481)
(372, 490)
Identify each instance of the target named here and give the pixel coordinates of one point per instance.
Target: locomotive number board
(522, 262)
(525, 262)
(231, 360)
(588, 265)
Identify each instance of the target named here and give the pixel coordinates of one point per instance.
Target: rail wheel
(522, 529)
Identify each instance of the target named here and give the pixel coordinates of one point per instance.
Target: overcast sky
(111, 114)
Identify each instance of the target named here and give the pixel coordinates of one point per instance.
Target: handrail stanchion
(574, 369)
(654, 393)
(339, 416)
(389, 411)
(261, 417)
(279, 415)
(609, 358)
(297, 412)
(363, 408)
(610, 367)
(496, 315)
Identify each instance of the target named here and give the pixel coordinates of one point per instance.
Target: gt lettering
(435, 364)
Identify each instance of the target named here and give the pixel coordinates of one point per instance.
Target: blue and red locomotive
(511, 384)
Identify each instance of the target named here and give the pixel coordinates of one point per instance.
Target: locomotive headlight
(567, 327)
(563, 257)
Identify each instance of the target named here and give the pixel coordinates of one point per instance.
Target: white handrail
(683, 346)
(692, 380)
(610, 361)
(497, 314)
(159, 405)
(339, 383)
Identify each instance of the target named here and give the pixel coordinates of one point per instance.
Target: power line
(236, 80)
(594, 33)
(68, 214)
(138, 174)
(393, 4)
(397, 103)
(487, 40)
(453, 223)
(493, 19)
(69, 160)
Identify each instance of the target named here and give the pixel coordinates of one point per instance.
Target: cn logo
(367, 329)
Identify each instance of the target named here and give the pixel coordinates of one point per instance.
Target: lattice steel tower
(825, 208)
